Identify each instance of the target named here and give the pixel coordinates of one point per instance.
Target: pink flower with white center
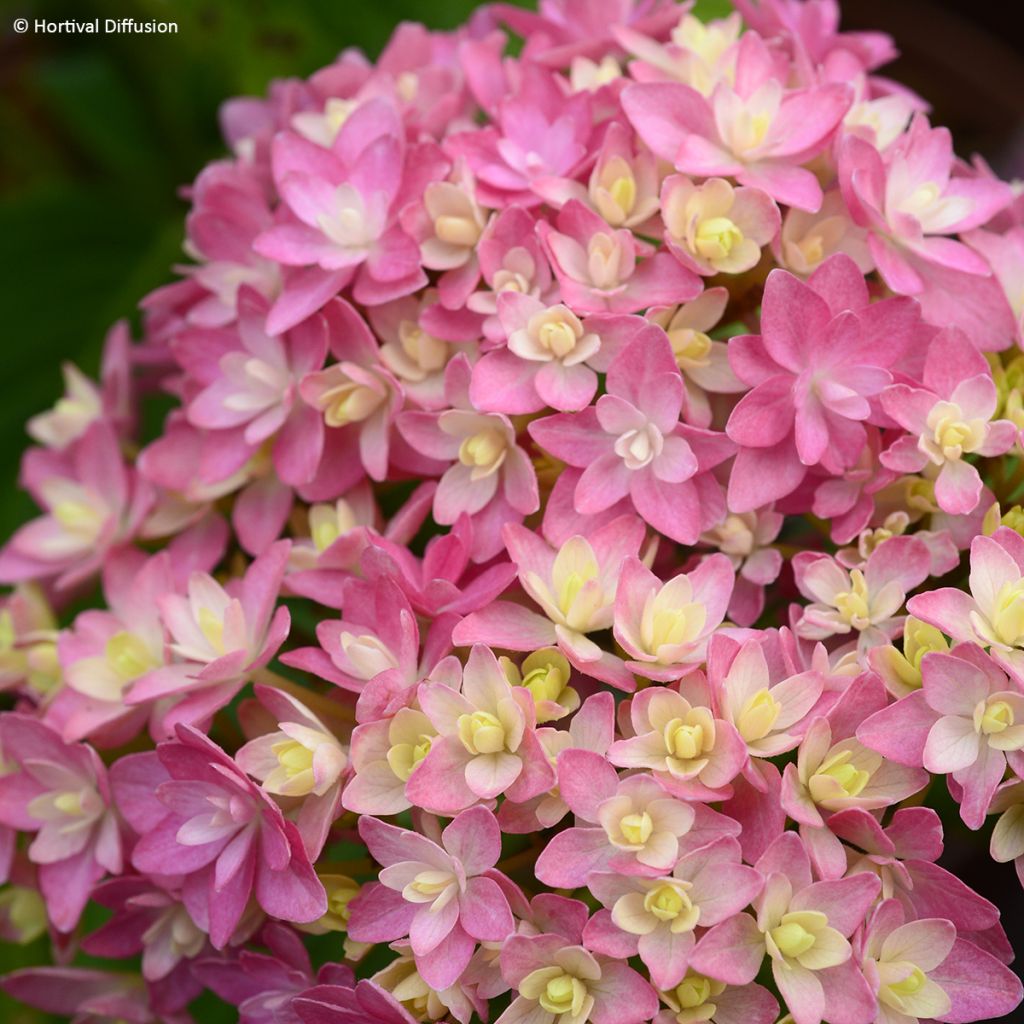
(487, 742)
(597, 268)
(656, 918)
(967, 720)
(60, 792)
(815, 371)
(416, 357)
(692, 753)
(833, 774)
(768, 713)
(444, 895)
(559, 982)
(715, 229)
(949, 417)
(93, 504)
(623, 186)
(374, 649)
(537, 132)
(511, 260)
(703, 363)
(992, 615)
(631, 826)
(744, 539)
(491, 478)
(921, 970)
(665, 627)
(451, 222)
(808, 239)
(866, 602)
(575, 586)
(198, 815)
(249, 384)
(343, 204)
(910, 201)
(302, 759)
(105, 653)
(151, 920)
(551, 358)
(755, 131)
(221, 638)
(805, 928)
(229, 210)
(631, 443)
(358, 393)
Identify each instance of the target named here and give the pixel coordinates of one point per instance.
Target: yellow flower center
(211, 625)
(293, 757)
(996, 716)
(667, 902)
(757, 716)
(483, 452)
(460, 231)
(349, 402)
(693, 991)
(838, 770)
(128, 656)
(716, 237)
(1008, 613)
(563, 994)
(792, 938)
(691, 348)
(852, 604)
(404, 757)
(637, 828)
(684, 740)
(911, 984)
(481, 733)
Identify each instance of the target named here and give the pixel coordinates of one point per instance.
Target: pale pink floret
(704, 363)
(633, 826)
(574, 585)
(358, 394)
(301, 759)
(219, 637)
(246, 382)
(692, 753)
(551, 357)
(715, 229)
(769, 713)
(444, 895)
(489, 476)
(93, 504)
(854, 601)
(992, 614)
(665, 627)
(558, 981)
(198, 815)
(921, 970)
(597, 267)
(59, 792)
(1005, 255)
(910, 201)
(343, 204)
(804, 927)
(657, 917)
(967, 720)
(632, 444)
(487, 742)
(949, 417)
(757, 132)
(835, 774)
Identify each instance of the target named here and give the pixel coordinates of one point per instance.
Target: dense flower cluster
(583, 544)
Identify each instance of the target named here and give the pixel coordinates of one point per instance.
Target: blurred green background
(98, 133)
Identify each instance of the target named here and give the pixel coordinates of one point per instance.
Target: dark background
(97, 133)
